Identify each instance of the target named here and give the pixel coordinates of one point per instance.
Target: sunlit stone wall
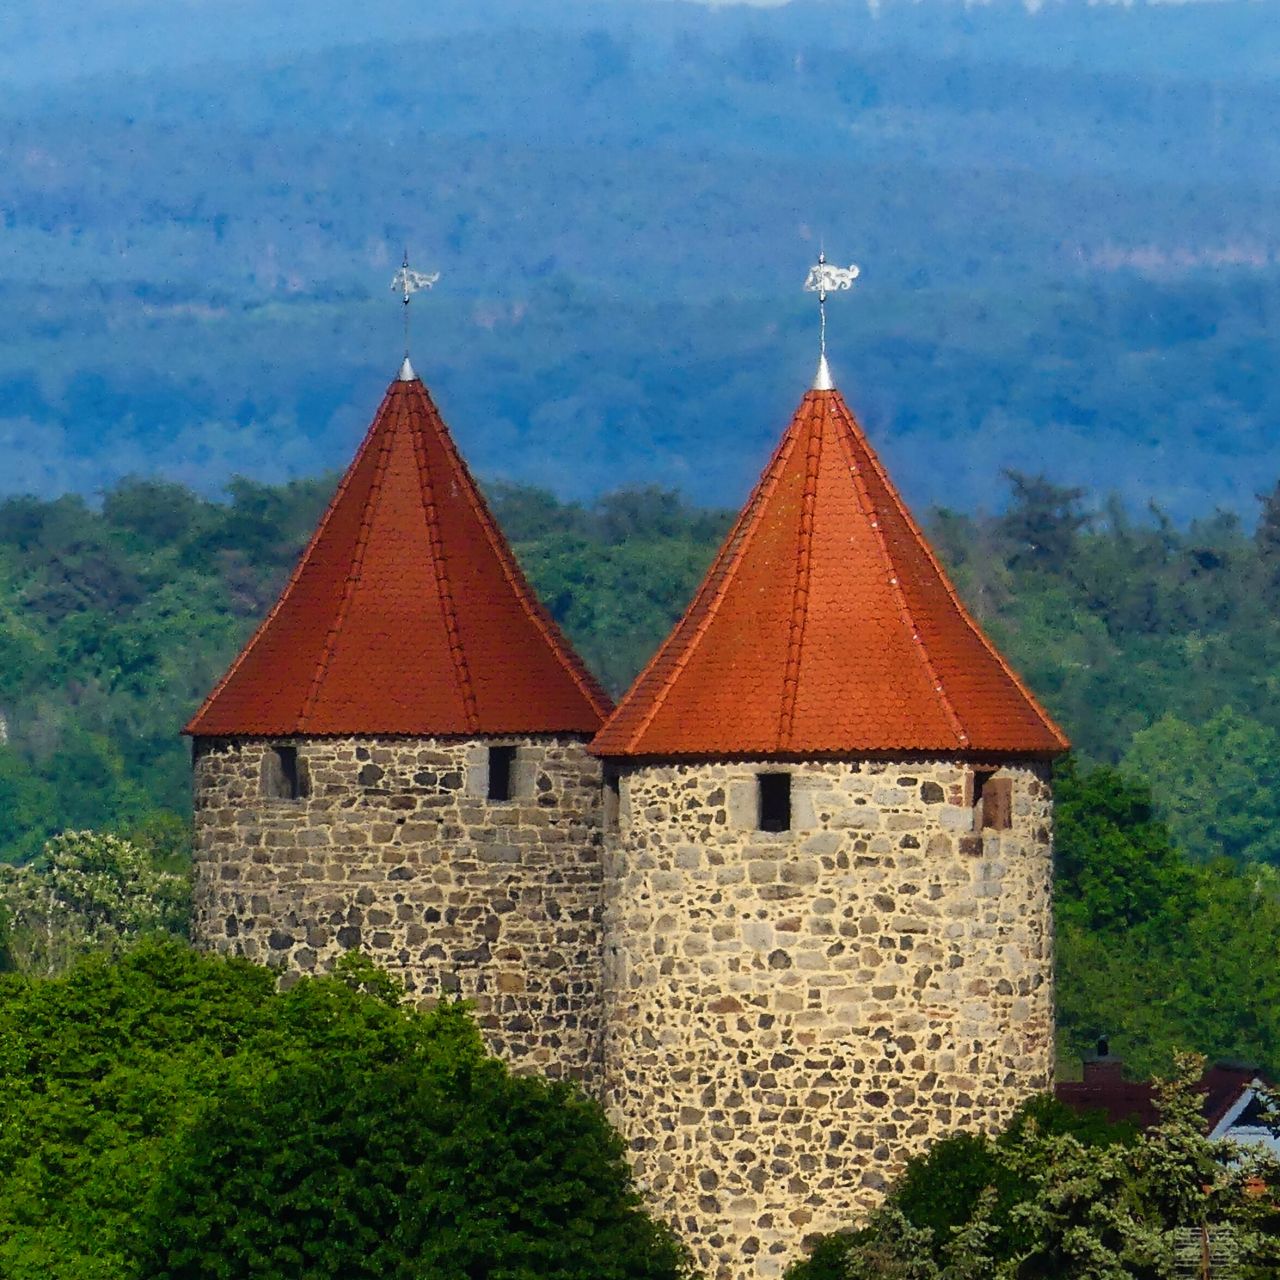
(788, 1017)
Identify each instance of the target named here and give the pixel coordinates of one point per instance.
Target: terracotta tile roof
(1222, 1087)
(407, 613)
(1104, 1088)
(826, 626)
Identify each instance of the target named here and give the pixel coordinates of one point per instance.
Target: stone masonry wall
(790, 1016)
(397, 851)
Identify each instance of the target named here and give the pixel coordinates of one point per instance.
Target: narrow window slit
(284, 776)
(612, 799)
(501, 767)
(774, 792)
(992, 801)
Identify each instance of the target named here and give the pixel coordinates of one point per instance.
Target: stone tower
(397, 760)
(827, 872)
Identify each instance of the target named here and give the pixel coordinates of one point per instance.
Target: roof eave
(967, 755)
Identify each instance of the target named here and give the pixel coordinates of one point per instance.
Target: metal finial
(407, 282)
(824, 279)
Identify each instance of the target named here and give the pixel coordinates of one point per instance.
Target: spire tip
(822, 379)
(406, 372)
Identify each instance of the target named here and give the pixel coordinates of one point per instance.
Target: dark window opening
(612, 799)
(284, 776)
(501, 765)
(775, 801)
(992, 801)
(978, 781)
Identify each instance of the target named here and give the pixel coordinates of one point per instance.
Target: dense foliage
(1154, 645)
(89, 892)
(111, 623)
(114, 623)
(1063, 1197)
(172, 1115)
(1155, 951)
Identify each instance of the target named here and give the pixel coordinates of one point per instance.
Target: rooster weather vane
(406, 282)
(823, 279)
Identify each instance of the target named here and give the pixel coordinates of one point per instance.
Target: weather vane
(824, 279)
(406, 282)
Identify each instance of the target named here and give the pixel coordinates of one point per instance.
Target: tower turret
(827, 869)
(397, 760)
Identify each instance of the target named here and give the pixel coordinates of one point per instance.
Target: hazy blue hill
(1065, 223)
(106, 36)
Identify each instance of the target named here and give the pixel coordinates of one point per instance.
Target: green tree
(88, 892)
(1116, 865)
(332, 1168)
(1266, 538)
(167, 1113)
(154, 512)
(950, 1213)
(28, 807)
(1216, 784)
(1151, 950)
(1123, 1213)
(1042, 523)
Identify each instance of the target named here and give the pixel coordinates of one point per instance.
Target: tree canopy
(171, 1114)
(93, 892)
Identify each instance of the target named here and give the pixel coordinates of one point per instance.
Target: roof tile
(407, 613)
(826, 626)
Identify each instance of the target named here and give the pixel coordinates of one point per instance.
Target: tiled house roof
(1104, 1088)
(825, 627)
(407, 613)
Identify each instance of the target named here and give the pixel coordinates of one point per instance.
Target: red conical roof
(407, 613)
(826, 627)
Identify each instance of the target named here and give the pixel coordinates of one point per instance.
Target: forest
(1154, 645)
(168, 1114)
(1063, 220)
(172, 1114)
